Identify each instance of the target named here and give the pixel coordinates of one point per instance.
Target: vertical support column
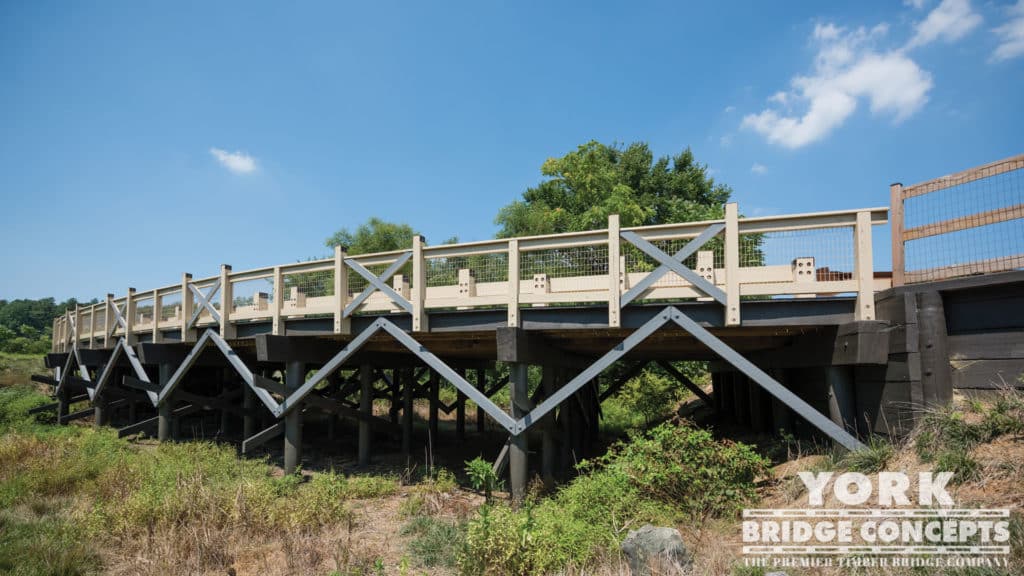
(129, 318)
(741, 397)
(407, 391)
(419, 286)
(732, 265)
(896, 222)
(839, 382)
(548, 445)
(936, 377)
(63, 396)
(276, 327)
(54, 334)
(366, 408)
(226, 375)
(158, 305)
(759, 408)
(782, 418)
(248, 409)
(188, 304)
(460, 413)
(481, 385)
(394, 393)
(518, 462)
(227, 296)
(342, 325)
(513, 283)
(295, 375)
(614, 287)
(864, 267)
(434, 392)
(566, 421)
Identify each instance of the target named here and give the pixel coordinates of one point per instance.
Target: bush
(686, 467)
(672, 472)
(482, 477)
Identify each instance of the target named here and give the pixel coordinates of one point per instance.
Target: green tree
(588, 184)
(375, 235)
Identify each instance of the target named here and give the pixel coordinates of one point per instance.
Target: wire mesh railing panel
(356, 283)
(564, 262)
(485, 268)
(639, 261)
(84, 323)
(831, 248)
(310, 284)
(256, 293)
(143, 310)
(170, 306)
(980, 250)
(968, 226)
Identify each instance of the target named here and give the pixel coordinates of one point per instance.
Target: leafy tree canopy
(375, 235)
(588, 184)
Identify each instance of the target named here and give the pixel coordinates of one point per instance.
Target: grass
(17, 368)
(435, 541)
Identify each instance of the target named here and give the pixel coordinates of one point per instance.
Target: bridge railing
(963, 224)
(732, 259)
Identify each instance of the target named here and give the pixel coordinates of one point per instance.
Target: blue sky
(139, 140)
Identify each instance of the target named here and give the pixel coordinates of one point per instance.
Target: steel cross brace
(378, 283)
(118, 318)
(673, 263)
(445, 371)
(204, 302)
(673, 315)
(121, 347)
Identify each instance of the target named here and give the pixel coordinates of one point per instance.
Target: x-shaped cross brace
(673, 263)
(378, 283)
(204, 302)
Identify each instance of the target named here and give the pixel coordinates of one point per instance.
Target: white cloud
(729, 109)
(725, 141)
(758, 168)
(951, 20)
(915, 4)
(847, 68)
(1011, 34)
(237, 162)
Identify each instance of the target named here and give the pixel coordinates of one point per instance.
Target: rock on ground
(653, 550)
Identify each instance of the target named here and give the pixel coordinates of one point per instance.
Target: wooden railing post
(187, 309)
(92, 325)
(276, 327)
(53, 335)
(158, 312)
(227, 329)
(342, 325)
(76, 336)
(896, 217)
(614, 288)
(864, 266)
(108, 321)
(732, 265)
(513, 283)
(420, 322)
(129, 317)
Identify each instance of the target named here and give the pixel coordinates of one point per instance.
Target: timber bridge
(802, 331)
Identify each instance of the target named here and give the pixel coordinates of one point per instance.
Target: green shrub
(482, 477)
(687, 468)
(960, 463)
(672, 472)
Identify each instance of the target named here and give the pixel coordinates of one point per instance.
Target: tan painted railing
(801, 255)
